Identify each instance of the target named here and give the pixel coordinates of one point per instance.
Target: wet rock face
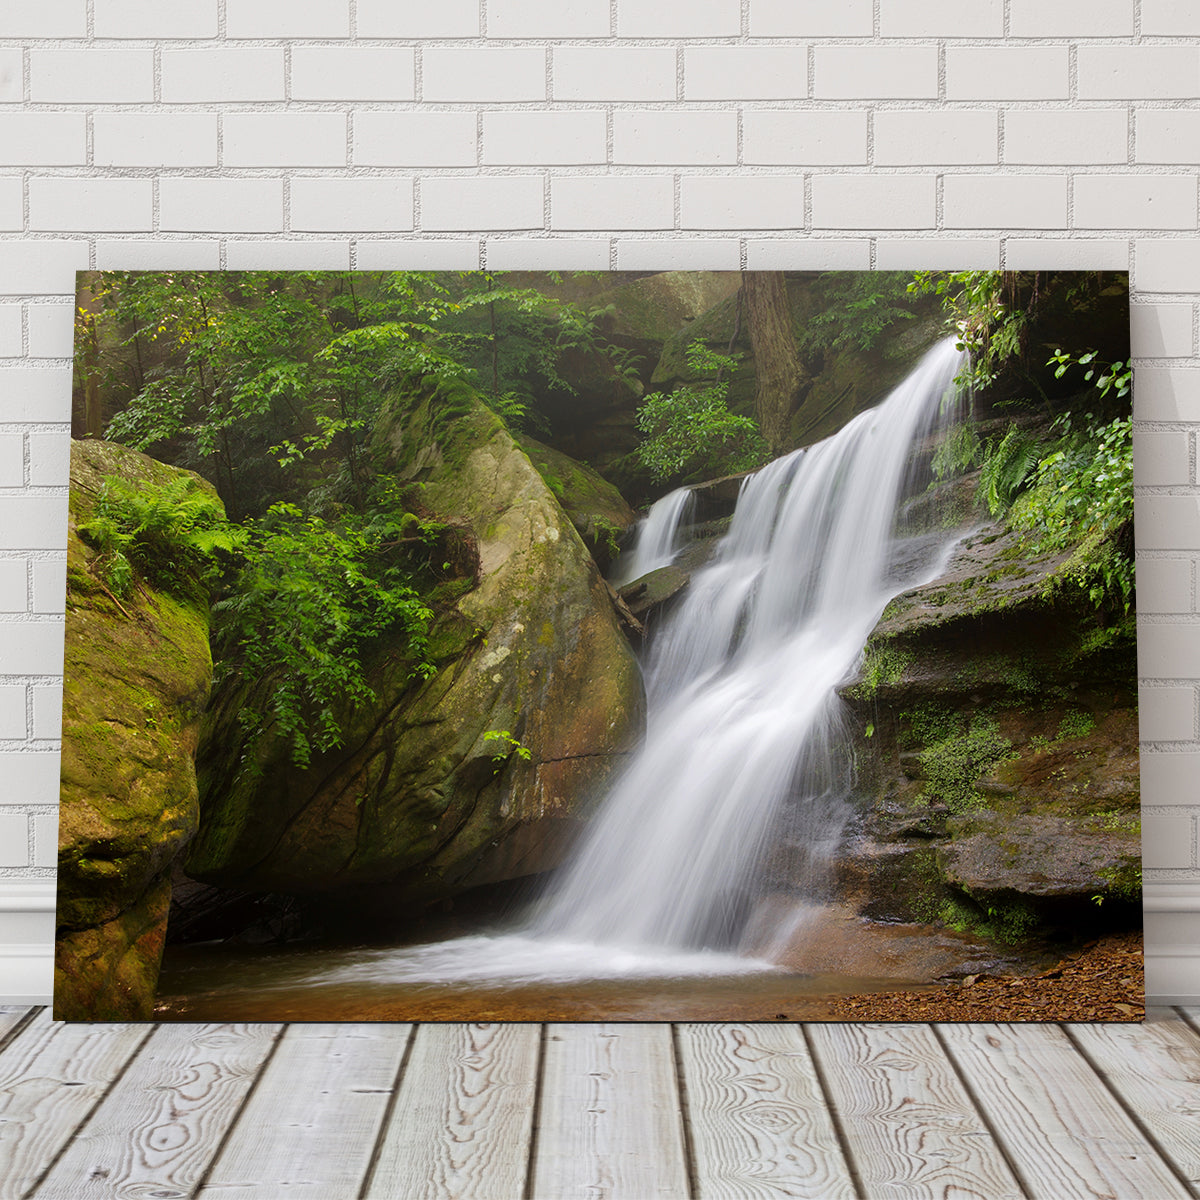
(479, 774)
(138, 673)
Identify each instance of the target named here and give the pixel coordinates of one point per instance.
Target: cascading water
(659, 537)
(745, 731)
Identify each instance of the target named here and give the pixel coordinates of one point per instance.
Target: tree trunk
(781, 381)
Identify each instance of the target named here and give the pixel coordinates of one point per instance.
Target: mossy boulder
(479, 774)
(138, 672)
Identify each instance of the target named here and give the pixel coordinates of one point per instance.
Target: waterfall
(744, 717)
(658, 537)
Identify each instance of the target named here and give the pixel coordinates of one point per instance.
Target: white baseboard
(27, 973)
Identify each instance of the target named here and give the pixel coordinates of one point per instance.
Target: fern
(1008, 466)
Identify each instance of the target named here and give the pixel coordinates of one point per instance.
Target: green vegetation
(954, 765)
(690, 434)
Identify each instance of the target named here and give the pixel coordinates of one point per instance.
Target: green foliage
(957, 452)
(857, 309)
(175, 535)
(309, 600)
(1008, 463)
(1075, 724)
(883, 663)
(1115, 378)
(953, 766)
(509, 745)
(690, 434)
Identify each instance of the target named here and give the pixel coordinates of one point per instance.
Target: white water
(745, 742)
(659, 537)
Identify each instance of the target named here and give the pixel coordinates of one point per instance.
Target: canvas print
(600, 646)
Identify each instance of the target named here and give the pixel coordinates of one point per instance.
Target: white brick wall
(639, 134)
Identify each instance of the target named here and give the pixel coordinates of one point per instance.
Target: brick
(811, 18)
(189, 203)
(1161, 458)
(1004, 201)
(547, 254)
(873, 202)
(1071, 18)
(1167, 714)
(1170, 779)
(31, 647)
(612, 202)
(941, 18)
(11, 336)
(1164, 585)
(1166, 393)
(47, 19)
(466, 74)
(160, 254)
(808, 254)
(1007, 73)
(611, 73)
(547, 18)
(876, 72)
(952, 136)
(112, 205)
(47, 711)
(49, 459)
(490, 202)
(417, 254)
(1169, 652)
(222, 76)
(170, 139)
(1138, 72)
(14, 585)
(12, 204)
(33, 394)
(156, 18)
(49, 585)
(1161, 330)
(351, 205)
(937, 254)
(1168, 840)
(41, 268)
(51, 330)
(14, 840)
(43, 139)
(740, 202)
(1168, 265)
(1143, 201)
(1033, 135)
(311, 139)
(417, 19)
(12, 460)
(1170, 18)
(1065, 254)
(690, 254)
(745, 73)
(354, 73)
(560, 138)
(678, 18)
(1168, 523)
(30, 776)
(12, 77)
(416, 139)
(287, 18)
(789, 137)
(673, 136)
(45, 835)
(12, 712)
(91, 76)
(1166, 135)
(29, 522)
(260, 255)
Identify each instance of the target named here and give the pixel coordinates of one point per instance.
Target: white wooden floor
(599, 1112)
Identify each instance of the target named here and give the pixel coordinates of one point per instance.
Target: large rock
(480, 774)
(138, 673)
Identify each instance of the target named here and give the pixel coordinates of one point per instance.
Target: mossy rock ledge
(138, 674)
(424, 800)
(998, 751)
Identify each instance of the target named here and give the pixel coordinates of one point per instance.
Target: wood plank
(610, 1127)
(759, 1125)
(1059, 1124)
(51, 1076)
(11, 1017)
(311, 1125)
(910, 1126)
(158, 1129)
(461, 1123)
(1155, 1069)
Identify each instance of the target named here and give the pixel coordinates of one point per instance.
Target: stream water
(663, 901)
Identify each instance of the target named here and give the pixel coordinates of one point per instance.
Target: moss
(1123, 882)
(883, 663)
(1075, 724)
(952, 767)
